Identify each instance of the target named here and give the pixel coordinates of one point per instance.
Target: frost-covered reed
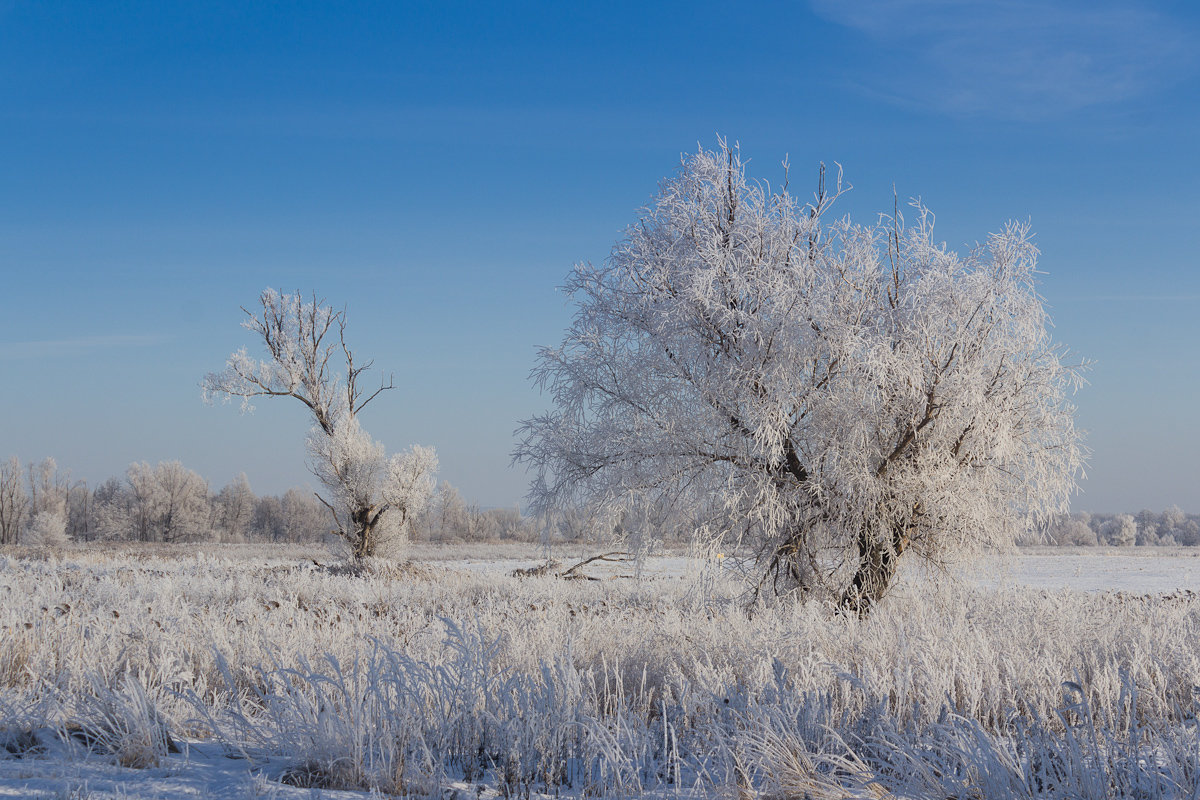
(406, 678)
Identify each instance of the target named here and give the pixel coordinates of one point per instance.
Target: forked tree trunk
(365, 538)
(364, 520)
(877, 561)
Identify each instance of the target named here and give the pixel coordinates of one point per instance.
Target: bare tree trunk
(361, 544)
(877, 561)
(364, 539)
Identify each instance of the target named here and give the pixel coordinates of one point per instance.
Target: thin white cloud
(1133, 298)
(1017, 58)
(59, 348)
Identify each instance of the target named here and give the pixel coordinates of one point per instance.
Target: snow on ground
(1141, 570)
(1135, 570)
(202, 772)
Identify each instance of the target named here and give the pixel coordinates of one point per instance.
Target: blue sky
(438, 167)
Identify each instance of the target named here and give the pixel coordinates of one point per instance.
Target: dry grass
(403, 676)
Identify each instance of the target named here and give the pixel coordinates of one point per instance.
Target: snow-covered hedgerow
(406, 678)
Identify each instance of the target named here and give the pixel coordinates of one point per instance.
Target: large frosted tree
(834, 395)
(372, 498)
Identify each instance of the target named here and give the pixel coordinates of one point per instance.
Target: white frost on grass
(426, 678)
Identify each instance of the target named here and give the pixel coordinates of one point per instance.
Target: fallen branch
(574, 572)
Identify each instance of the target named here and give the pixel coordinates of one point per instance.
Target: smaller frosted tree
(234, 509)
(46, 521)
(271, 523)
(450, 517)
(1176, 525)
(1147, 527)
(1173, 519)
(1074, 532)
(372, 498)
(1120, 531)
(13, 501)
(47, 529)
(166, 502)
(303, 517)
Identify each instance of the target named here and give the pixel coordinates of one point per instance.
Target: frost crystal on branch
(834, 394)
(372, 497)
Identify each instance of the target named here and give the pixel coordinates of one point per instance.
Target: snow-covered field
(1044, 675)
(1135, 570)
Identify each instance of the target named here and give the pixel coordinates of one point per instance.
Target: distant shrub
(46, 529)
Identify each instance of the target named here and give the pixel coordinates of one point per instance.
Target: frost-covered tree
(1173, 521)
(13, 501)
(166, 502)
(450, 517)
(1147, 527)
(1189, 533)
(1120, 531)
(371, 497)
(304, 518)
(269, 521)
(182, 507)
(81, 516)
(836, 395)
(109, 508)
(1073, 531)
(233, 509)
(46, 518)
(47, 487)
(46, 529)
(1176, 525)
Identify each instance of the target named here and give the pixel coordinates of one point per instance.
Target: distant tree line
(1170, 528)
(167, 502)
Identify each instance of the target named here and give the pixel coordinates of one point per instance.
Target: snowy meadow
(441, 676)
